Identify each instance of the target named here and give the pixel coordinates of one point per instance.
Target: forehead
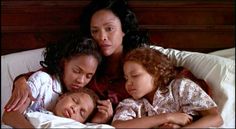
(81, 95)
(131, 66)
(103, 16)
(83, 59)
(87, 62)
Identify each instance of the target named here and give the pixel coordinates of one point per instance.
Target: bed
(199, 34)
(216, 68)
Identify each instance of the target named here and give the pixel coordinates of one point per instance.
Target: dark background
(192, 25)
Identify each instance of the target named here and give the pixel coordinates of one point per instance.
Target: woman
(114, 27)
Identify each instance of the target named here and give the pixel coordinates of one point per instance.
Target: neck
(115, 58)
(114, 64)
(150, 96)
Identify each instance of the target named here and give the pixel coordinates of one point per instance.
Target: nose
(129, 83)
(75, 108)
(103, 35)
(81, 79)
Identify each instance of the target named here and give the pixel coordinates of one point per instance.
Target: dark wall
(193, 25)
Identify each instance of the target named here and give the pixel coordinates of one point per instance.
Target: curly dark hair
(66, 48)
(134, 37)
(155, 63)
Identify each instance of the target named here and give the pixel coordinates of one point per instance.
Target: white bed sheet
(42, 120)
(15, 64)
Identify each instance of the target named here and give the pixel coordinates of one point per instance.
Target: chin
(106, 53)
(135, 97)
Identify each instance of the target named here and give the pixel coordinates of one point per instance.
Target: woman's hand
(105, 112)
(169, 126)
(19, 95)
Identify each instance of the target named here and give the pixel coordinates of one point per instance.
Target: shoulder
(40, 76)
(184, 86)
(184, 83)
(130, 102)
(181, 85)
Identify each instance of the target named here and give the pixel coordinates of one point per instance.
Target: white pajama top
(45, 89)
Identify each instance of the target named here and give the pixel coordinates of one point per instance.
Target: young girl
(78, 105)
(68, 65)
(157, 91)
(114, 26)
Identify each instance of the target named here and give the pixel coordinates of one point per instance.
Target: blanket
(42, 120)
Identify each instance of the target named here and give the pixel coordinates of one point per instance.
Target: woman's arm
(153, 121)
(210, 118)
(16, 119)
(19, 94)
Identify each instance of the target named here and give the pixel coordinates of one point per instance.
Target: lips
(76, 86)
(67, 113)
(131, 91)
(104, 46)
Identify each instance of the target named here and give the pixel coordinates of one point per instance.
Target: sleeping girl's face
(139, 82)
(77, 106)
(78, 71)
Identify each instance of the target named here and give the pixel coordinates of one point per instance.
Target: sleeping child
(68, 66)
(77, 105)
(161, 98)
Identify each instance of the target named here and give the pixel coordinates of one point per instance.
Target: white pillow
(217, 71)
(15, 64)
(227, 53)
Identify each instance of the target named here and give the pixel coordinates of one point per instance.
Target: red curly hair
(155, 63)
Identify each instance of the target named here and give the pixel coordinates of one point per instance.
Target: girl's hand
(19, 95)
(179, 118)
(105, 112)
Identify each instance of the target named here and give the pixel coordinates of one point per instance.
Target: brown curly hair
(155, 63)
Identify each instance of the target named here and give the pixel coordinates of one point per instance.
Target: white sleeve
(126, 110)
(36, 82)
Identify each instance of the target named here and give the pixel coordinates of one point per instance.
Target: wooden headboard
(193, 25)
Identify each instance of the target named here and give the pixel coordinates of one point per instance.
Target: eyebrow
(133, 71)
(80, 68)
(110, 21)
(106, 24)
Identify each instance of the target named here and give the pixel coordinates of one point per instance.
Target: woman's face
(139, 82)
(77, 106)
(106, 29)
(78, 71)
